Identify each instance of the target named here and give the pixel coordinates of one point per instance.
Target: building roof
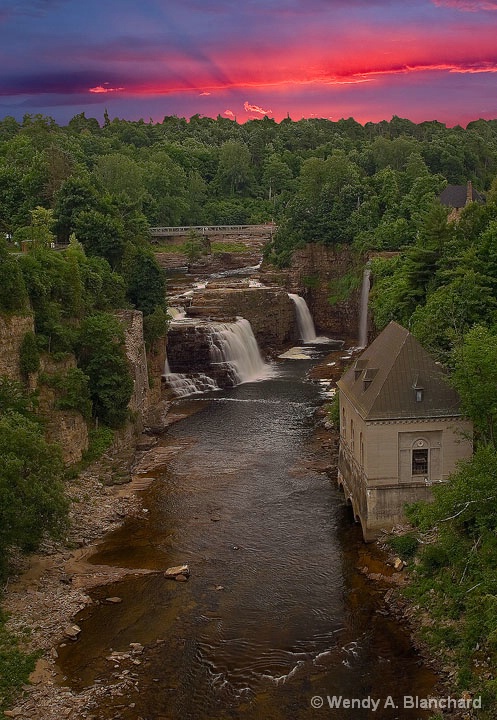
(457, 196)
(383, 382)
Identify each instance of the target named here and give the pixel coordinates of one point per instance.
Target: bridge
(156, 232)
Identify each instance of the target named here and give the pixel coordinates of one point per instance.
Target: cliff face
(12, 332)
(269, 311)
(66, 427)
(329, 279)
(146, 403)
(132, 322)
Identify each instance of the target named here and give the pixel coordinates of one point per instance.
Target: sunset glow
(433, 59)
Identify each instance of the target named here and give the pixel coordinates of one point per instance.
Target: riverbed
(275, 612)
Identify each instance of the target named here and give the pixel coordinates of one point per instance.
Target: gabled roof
(383, 381)
(456, 196)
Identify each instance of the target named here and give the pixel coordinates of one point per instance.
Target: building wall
(375, 463)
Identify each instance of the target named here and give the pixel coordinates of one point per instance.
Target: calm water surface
(275, 611)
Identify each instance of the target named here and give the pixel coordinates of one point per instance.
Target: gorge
(241, 489)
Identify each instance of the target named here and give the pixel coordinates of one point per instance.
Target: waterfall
(234, 345)
(305, 322)
(363, 307)
(183, 385)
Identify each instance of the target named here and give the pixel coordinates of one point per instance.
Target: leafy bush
(13, 295)
(99, 440)
(405, 546)
(102, 357)
(32, 500)
(74, 392)
(29, 356)
(155, 326)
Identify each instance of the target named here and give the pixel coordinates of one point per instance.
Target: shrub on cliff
(13, 295)
(29, 355)
(101, 356)
(32, 500)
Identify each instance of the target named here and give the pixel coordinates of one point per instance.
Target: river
(275, 611)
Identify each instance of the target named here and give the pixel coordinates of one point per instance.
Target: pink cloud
(467, 5)
(104, 89)
(256, 109)
(229, 113)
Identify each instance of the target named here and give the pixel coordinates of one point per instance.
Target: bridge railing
(210, 229)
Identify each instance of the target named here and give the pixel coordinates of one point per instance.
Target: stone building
(457, 197)
(401, 429)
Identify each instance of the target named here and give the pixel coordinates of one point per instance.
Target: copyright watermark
(407, 702)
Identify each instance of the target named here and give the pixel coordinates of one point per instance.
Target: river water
(275, 611)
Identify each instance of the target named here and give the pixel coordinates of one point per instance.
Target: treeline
(333, 182)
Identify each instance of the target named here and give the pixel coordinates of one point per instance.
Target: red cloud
(229, 113)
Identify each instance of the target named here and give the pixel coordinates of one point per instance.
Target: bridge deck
(211, 230)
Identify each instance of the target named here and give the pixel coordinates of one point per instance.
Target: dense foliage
(32, 500)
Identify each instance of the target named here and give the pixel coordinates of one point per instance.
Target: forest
(374, 188)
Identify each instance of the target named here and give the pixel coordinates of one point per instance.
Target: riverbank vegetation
(97, 189)
(444, 288)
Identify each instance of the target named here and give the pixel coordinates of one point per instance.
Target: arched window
(420, 459)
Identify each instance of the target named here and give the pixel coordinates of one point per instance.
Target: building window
(419, 394)
(344, 424)
(420, 462)
(352, 435)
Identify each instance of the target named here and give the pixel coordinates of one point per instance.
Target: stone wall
(317, 274)
(12, 331)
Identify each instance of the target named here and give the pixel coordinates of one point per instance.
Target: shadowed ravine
(275, 611)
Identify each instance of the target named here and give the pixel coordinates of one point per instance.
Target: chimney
(469, 192)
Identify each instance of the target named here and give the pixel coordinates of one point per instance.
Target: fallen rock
(72, 632)
(181, 578)
(113, 600)
(398, 564)
(172, 572)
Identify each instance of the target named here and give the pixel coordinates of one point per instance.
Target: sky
(243, 59)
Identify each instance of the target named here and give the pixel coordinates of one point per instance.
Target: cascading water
(234, 346)
(363, 307)
(305, 322)
(183, 385)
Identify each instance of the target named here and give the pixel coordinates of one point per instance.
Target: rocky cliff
(269, 311)
(13, 328)
(66, 427)
(329, 279)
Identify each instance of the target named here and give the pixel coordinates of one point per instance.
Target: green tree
(13, 294)
(102, 357)
(29, 356)
(234, 173)
(474, 377)
(32, 500)
(101, 234)
(145, 280)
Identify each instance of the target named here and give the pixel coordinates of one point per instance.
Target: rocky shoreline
(51, 587)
